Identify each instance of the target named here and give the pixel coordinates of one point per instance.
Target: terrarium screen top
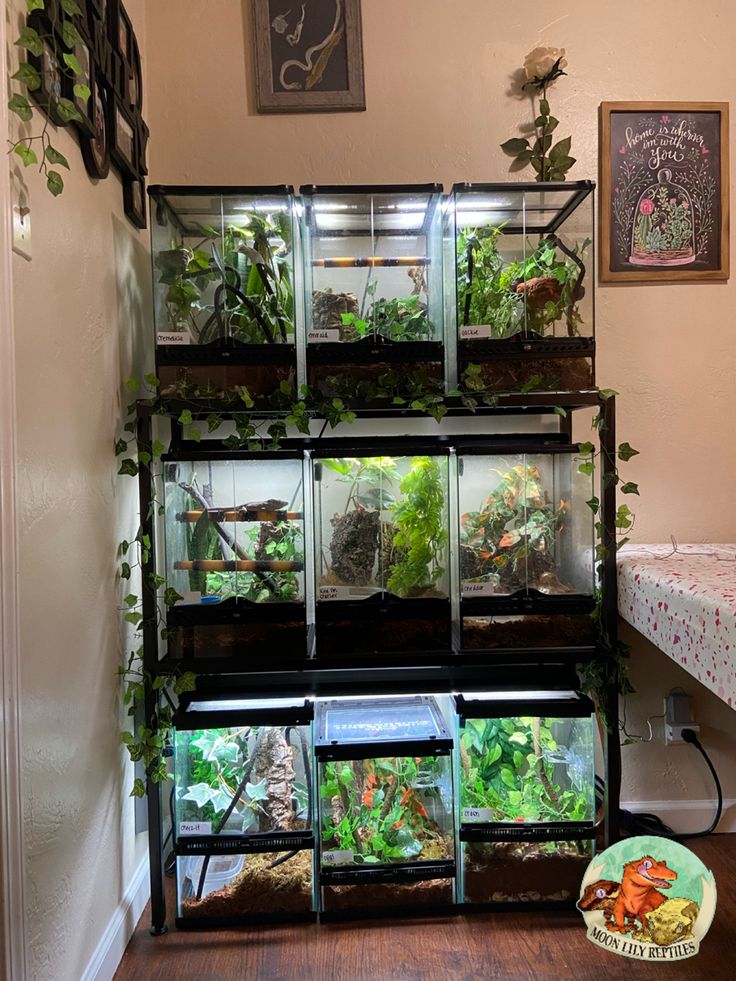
(378, 723)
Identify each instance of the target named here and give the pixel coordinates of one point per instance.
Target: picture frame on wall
(308, 57)
(664, 191)
(96, 147)
(122, 144)
(85, 107)
(134, 202)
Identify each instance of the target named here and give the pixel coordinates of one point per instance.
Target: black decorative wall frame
(112, 128)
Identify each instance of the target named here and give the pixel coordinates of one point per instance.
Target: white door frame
(12, 852)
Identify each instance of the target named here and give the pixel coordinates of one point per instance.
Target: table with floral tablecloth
(683, 599)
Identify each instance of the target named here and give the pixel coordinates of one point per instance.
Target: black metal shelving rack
(393, 674)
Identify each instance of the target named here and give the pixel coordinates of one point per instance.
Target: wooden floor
(459, 948)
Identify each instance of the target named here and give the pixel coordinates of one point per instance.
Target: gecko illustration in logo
(658, 907)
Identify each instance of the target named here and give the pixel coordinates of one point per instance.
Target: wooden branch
(238, 565)
(224, 535)
(239, 514)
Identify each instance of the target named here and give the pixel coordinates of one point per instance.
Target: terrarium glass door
(381, 526)
(234, 530)
(525, 526)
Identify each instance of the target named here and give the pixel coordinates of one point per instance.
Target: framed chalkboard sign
(664, 191)
(308, 55)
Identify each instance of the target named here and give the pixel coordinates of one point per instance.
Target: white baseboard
(109, 951)
(687, 815)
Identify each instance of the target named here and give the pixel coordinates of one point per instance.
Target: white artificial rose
(541, 61)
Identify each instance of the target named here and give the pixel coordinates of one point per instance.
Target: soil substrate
(287, 888)
(427, 892)
(533, 631)
(287, 640)
(522, 871)
(555, 374)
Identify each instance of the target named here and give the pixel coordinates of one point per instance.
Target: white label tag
(471, 333)
(315, 336)
(195, 828)
(340, 593)
(477, 814)
(343, 857)
(194, 597)
(174, 337)
(478, 589)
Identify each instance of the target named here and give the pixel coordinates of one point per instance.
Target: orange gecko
(638, 894)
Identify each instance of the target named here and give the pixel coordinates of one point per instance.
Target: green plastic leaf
(21, 107)
(587, 468)
(544, 107)
(514, 146)
(125, 570)
(26, 154)
(139, 788)
(629, 488)
(71, 62)
(151, 380)
(82, 91)
(257, 791)
(171, 596)
(131, 384)
(30, 40)
(129, 467)
(32, 5)
(185, 682)
(67, 111)
(594, 504)
(607, 393)
(185, 418)
(29, 76)
(133, 617)
(70, 34)
(54, 182)
(586, 449)
(560, 411)
(53, 156)
(71, 7)
(131, 599)
(625, 452)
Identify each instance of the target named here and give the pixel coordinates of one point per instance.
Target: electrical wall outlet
(20, 203)
(678, 715)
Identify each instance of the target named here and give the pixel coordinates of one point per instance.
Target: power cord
(650, 824)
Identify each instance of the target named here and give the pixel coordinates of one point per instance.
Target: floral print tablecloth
(685, 604)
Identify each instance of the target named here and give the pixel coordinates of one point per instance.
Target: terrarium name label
(330, 334)
(477, 814)
(336, 593)
(478, 589)
(195, 828)
(173, 337)
(340, 857)
(476, 331)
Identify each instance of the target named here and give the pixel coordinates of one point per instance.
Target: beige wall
(81, 307)
(437, 76)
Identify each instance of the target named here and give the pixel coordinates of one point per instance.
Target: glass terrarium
(234, 552)
(223, 275)
(242, 775)
(524, 285)
(526, 549)
(373, 289)
(238, 888)
(386, 827)
(381, 553)
(526, 776)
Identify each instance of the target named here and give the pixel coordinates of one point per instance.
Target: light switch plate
(20, 203)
